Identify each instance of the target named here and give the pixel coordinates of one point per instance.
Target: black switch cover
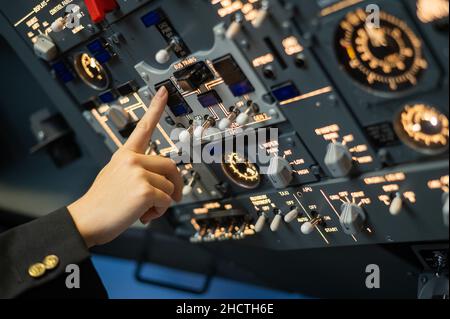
(193, 76)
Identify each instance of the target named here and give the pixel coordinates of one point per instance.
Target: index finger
(140, 138)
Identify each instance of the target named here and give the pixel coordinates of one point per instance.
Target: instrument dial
(423, 128)
(91, 72)
(241, 171)
(387, 58)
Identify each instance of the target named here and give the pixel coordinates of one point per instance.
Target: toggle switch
(260, 223)
(308, 227)
(235, 27)
(261, 15)
(186, 135)
(163, 56)
(199, 130)
(396, 205)
(244, 117)
(58, 25)
(276, 222)
(189, 187)
(99, 8)
(228, 121)
(292, 215)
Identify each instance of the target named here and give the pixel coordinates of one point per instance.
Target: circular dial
(423, 128)
(387, 58)
(91, 72)
(241, 171)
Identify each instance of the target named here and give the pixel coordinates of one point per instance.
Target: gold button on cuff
(51, 262)
(36, 270)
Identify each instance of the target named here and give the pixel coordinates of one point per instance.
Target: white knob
(276, 222)
(185, 136)
(242, 119)
(198, 132)
(352, 218)
(233, 30)
(291, 216)
(280, 172)
(58, 25)
(224, 124)
(45, 48)
(260, 223)
(187, 190)
(338, 159)
(307, 228)
(396, 205)
(163, 56)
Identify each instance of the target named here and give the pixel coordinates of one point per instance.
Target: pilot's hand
(132, 186)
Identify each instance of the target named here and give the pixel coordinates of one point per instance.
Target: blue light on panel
(285, 91)
(241, 88)
(210, 98)
(107, 97)
(63, 73)
(180, 109)
(152, 18)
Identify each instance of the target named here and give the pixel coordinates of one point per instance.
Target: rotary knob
(352, 218)
(119, 117)
(338, 160)
(280, 172)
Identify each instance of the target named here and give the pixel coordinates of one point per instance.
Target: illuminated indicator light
(107, 97)
(432, 10)
(391, 188)
(209, 99)
(263, 60)
(327, 129)
(338, 6)
(292, 46)
(285, 91)
(241, 88)
(152, 18)
(411, 196)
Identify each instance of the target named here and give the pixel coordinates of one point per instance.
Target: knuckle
(130, 159)
(147, 191)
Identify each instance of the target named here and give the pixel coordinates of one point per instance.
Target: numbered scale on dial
(385, 58)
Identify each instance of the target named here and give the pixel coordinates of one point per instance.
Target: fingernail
(161, 92)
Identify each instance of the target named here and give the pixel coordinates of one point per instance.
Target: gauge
(387, 58)
(91, 72)
(241, 171)
(423, 128)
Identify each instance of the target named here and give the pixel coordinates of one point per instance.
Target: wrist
(79, 217)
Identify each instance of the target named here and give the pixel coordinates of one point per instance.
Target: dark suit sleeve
(54, 234)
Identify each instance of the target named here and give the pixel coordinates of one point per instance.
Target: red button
(99, 8)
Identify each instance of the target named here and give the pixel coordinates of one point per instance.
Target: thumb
(140, 138)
